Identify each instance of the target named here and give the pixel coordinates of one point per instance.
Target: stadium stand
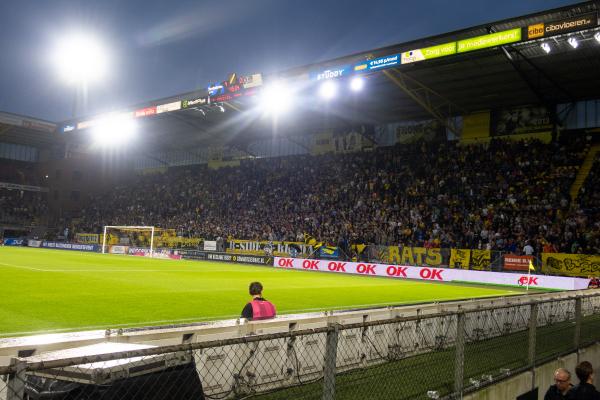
(23, 173)
(21, 207)
(21, 202)
(423, 194)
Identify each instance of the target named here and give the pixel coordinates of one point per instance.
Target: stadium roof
(509, 74)
(20, 129)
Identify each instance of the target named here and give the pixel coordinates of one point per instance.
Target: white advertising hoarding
(434, 274)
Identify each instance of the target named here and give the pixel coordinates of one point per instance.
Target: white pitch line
(166, 269)
(22, 267)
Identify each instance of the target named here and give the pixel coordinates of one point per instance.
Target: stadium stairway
(584, 171)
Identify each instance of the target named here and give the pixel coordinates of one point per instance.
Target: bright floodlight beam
(328, 90)
(276, 99)
(357, 83)
(81, 59)
(114, 131)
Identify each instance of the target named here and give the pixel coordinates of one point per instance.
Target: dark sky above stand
(163, 48)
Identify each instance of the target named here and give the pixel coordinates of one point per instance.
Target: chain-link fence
(439, 355)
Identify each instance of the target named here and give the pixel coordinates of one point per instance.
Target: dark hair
(255, 288)
(583, 370)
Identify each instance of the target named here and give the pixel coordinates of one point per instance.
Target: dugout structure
(129, 229)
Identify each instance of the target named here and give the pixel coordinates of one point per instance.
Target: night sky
(163, 48)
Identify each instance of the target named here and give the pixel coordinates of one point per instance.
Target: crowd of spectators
(589, 196)
(20, 207)
(498, 196)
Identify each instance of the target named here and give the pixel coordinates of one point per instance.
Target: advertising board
(433, 274)
(491, 40)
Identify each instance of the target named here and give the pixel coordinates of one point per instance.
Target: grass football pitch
(55, 291)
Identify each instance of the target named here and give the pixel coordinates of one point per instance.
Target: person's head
(584, 371)
(255, 289)
(562, 378)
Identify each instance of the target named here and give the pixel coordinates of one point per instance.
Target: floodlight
(80, 59)
(276, 98)
(328, 89)
(573, 42)
(597, 37)
(357, 83)
(546, 47)
(114, 130)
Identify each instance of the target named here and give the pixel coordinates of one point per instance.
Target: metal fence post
(15, 388)
(329, 364)
(459, 363)
(532, 332)
(578, 318)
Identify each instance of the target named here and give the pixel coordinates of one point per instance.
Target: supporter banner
(491, 40)
(176, 242)
(433, 274)
(414, 256)
(192, 254)
(544, 29)
(34, 243)
(87, 238)
(460, 258)
(415, 131)
(70, 246)
(427, 53)
(281, 249)
(513, 262)
(238, 258)
(351, 142)
(481, 260)
(322, 143)
(14, 242)
(571, 264)
(210, 245)
(475, 126)
(518, 121)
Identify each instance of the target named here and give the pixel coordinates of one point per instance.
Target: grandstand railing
(442, 355)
